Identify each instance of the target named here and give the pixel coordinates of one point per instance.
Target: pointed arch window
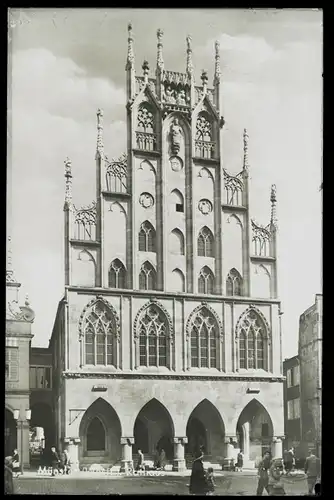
(233, 283)
(147, 238)
(177, 242)
(252, 342)
(203, 341)
(178, 200)
(204, 146)
(100, 333)
(145, 134)
(206, 281)
(117, 275)
(147, 277)
(153, 338)
(205, 243)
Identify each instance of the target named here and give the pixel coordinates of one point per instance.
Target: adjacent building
(19, 319)
(292, 403)
(310, 356)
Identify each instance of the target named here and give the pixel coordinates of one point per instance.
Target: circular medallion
(176, 163)
(205, 206)
(146, 200)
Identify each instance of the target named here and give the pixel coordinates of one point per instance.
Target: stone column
(73, 451)
(276, 448)
(245, 444)
(179, 463)
(127, 462)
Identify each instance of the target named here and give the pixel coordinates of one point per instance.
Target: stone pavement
(228, 484)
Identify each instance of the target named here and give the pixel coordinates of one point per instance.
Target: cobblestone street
(229, 484)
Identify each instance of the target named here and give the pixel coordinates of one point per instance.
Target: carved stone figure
(176, 133)
(170, 95)
(181, 97)
(176, 163)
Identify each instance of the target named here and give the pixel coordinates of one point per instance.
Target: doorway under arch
(154, 430)
(10, 433)
(100, 435)
(206, 429)
(42, 433)
(254, 431)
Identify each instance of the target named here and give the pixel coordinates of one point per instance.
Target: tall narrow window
(117, 275)
(242, 350)
(252, 335)
(260, 350)
(203, 340)
(206, 281)
(99, 332)
(12, 363)
(153, 333)
(147, 277)
(233, 283)
(147, 238)
(205, 243)
(177, 200)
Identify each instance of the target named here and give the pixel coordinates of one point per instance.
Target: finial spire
(9, 254)
(99, 147)
(273, 200)
(160, 61)
(204, 79)
(217, 62)
(246, 164)
(9, 267)
(190, 67)
(68, 182)
(146, 70)
(131, 56)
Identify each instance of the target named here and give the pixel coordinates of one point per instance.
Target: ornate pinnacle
(273, 199)
(131, 57)
(146, 70)
(9, 255)
(99, 146)
(160, 61)
(217, 62)
(190, 67)
(246, 164)
(9, 271)
(68, 181)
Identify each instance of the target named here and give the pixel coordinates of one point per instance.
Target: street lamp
(16, 415)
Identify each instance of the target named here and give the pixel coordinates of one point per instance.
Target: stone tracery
(261, 240)
(85, 222)
(116, 174)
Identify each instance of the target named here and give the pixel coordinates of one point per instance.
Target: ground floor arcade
(110, 433)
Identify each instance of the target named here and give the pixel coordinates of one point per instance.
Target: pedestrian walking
(16, 464)
(210, 481)
(68, 462)
(289, 461)
(157, 459)
(275, 484)
(162, 459)
(312, 471)
(9, 483)
(240, 461)
(263, 474)
(198, 485)
(55, 461)
(140, 463)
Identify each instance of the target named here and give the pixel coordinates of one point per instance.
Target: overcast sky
(65, 63)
